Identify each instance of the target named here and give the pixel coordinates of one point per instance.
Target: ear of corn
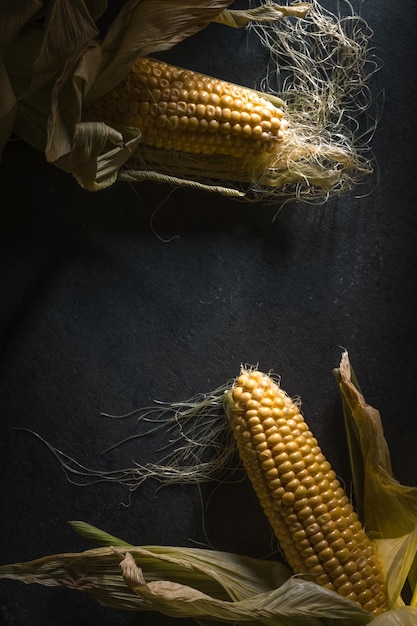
(55, 74)
(185, 111)
(309, 512)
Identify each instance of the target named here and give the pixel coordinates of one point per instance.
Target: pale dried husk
(207, 585)
(190, 582)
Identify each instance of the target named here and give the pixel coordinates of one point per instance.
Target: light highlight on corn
(309, 512)
(182, 110)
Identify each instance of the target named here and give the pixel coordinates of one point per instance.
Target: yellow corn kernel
(200, 114)
(311, 516)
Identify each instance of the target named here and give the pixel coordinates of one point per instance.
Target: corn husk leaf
(97, 536)
(397, 556)
(58, 44)
(221, 574)
(190, 582)
(36, 56)
(404, 616)
(265, 13)
(389, 508)
(294, 597)
(96, 8)
(82, 148)
(354, 449)
(13, 16)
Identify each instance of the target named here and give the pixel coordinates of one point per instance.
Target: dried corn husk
(203, 584)
(189, 582)
(388, 508)
(329, 73)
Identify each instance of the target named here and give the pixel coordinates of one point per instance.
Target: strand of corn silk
(198, 446)
(321, 66)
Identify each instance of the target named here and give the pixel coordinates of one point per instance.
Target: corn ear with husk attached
(320, 155)
(210, 585)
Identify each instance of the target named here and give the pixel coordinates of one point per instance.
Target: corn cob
(308, 510)
(185, 111)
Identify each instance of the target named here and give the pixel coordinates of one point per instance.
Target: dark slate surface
(114, 299)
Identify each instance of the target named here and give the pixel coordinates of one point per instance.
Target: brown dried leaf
(390, 509)
(144, 27)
